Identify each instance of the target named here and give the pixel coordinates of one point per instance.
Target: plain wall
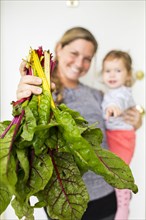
(115, 24)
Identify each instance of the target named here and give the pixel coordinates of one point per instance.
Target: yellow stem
(44, 76)
(40, 71)
(47, 65)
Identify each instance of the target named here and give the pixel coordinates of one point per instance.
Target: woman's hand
(133, 117)
(29, 84)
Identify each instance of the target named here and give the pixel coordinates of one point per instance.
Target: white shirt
(121, 97)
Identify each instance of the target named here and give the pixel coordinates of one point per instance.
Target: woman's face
(74, 60)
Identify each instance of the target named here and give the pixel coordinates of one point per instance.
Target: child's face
(115, 73)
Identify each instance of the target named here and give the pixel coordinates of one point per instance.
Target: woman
(74, 53)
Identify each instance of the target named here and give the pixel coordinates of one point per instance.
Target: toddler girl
(117, 75)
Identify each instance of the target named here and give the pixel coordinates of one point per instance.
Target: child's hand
(113, 110)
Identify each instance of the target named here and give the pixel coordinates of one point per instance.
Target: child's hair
(125, 57)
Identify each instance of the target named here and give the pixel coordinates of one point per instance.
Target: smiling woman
(74, 53)
(75, 60)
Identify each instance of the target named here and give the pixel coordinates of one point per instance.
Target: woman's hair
(77, 33)
(125, 57)
(68, 37)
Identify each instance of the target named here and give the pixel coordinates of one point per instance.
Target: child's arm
(112, 110)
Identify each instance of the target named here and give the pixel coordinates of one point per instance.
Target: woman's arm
(133, 117)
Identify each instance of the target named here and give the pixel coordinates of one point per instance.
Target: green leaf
(40, 173)
(5, 197)
(8, 174)
(44, 108)
(66, 194)
(33, 105)
(3, 125)
(22, 155)
(94, 136)
(121, 175)
(78, 146)
(44, 118)
(29, 125)
(52, 140)
(86, 156)
(23, 209)
(22, 188)
(75, 115)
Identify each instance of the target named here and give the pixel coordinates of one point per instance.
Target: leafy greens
(45, 150)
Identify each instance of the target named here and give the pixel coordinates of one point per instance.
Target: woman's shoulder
(92, 89)
(98, 94)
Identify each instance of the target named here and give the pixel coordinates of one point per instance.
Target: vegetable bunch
(45, 150)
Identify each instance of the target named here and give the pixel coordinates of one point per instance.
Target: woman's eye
(74, 53)
(88, 59)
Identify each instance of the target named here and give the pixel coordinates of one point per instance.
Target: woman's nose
(79, 62)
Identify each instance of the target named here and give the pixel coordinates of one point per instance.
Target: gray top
(88, 101)
(121, 97)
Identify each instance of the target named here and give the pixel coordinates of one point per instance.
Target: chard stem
(17, 121)
(20, 101)
(44, 75)
(40, 72)
(7, 129)
(47, 66)
(47, 73)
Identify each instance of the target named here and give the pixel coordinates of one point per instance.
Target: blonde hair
(126, 58)
(68, 37)
(77, 33)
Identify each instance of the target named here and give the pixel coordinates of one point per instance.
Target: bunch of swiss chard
(45, 150)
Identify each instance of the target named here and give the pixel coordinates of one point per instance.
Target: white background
(115, 24)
